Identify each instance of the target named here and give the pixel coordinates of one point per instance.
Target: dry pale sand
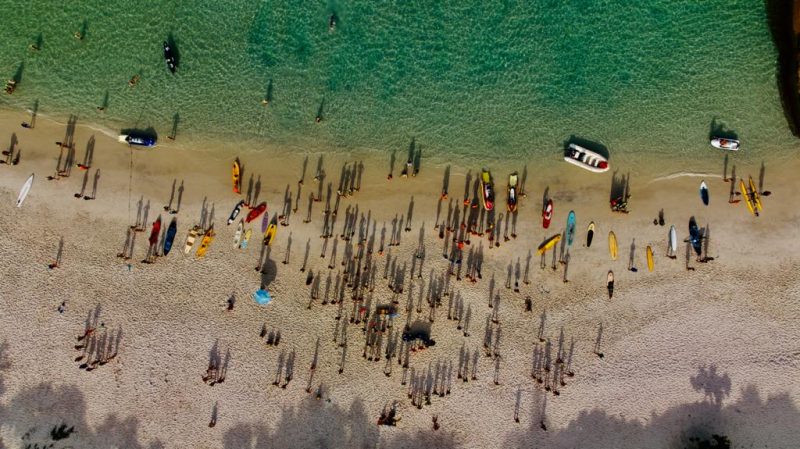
(686, 353)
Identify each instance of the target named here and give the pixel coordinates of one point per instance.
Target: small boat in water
(547, 214)
(169, 57)
(23, 193)
(137, 140)
(511, 200)
(725, 144)
(487, 190)
(586, 159)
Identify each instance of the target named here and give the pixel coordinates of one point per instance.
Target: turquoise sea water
(471, 78)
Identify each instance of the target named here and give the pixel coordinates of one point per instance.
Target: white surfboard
(673, 240)
(25, 189)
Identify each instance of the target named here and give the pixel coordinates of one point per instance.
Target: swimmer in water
(332, 22)
(133, 80)
(78, 35)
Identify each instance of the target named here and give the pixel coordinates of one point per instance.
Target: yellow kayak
(272, 229)
(649, 258)
(549, 243)
(754, 192)
(746, 195)
(206, 242)
(235, 176)
(612, 245)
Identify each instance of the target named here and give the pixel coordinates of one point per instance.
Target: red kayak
(155, 231)
(547, 214)
(256, 211)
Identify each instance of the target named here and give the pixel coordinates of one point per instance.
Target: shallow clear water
(466, 78)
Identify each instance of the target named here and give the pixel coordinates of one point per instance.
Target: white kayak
(725, 144)
(237, 238)
(23, 193)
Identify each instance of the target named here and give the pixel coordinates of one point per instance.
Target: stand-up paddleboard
(704, 192)
(549, 243)
(190, 238)
(23, 193)
(756, 195)
(237, 238)
(673, 240)
(590, 235)
(235, 212)
(246, 238)
(170, 238)
(570, 227)
(649, 258)
(612, 245)
(610, 283)
(747, 199)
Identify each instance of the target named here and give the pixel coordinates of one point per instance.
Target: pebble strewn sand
(686, 353)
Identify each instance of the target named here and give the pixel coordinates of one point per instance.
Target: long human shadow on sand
(318, 423)
(55, 416)
(751, 421)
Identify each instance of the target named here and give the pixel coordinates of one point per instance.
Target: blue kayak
(170, 238)
(570, 227)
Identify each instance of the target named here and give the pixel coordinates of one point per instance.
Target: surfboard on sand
(612, 245)
(649, 258)
(673, 241)
(549, 243)
(23, 193)
(704, 192)
(590, 235)
(610, 283)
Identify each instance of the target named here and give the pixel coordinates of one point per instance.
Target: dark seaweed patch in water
(779, 18)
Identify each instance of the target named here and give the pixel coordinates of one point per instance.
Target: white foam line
(685, 175)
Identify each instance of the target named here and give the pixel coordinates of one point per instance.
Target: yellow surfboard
(746, 195)
(649, 258)
(612, 245)
(549, 243)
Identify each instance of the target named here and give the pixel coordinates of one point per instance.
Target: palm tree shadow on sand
(751, 421)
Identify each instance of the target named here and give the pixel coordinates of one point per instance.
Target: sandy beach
(686, 353)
